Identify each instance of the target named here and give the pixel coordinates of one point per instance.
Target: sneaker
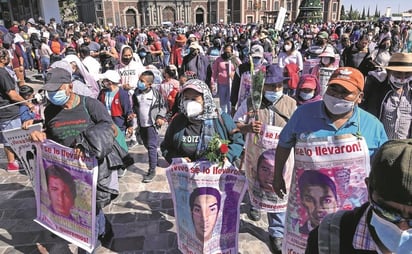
(132, 144)
(121, 172)
(276, 244)
(13, 166)
(149, 177)
(254, 214)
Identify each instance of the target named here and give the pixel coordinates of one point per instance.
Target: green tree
(342, 13)
(376, 12)
(368, 13)
(363, 14)
(350, 14)
(68, 11)
(310, 11)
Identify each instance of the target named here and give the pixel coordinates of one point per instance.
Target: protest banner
(22, 145)
(206, 199)
(324, 76)
(328, 176)
(66, 194)
(259, 166)
(309, 64)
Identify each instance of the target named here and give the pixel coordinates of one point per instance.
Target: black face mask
(226, 55)
(126, 61)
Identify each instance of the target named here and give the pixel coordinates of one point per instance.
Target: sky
(396, 5)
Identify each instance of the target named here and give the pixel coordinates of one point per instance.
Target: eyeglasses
(390, 216)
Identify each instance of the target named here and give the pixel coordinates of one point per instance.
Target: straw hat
(400, 62)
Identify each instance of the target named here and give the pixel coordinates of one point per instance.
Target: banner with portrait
(259, 166)
(206, 199)
(66, 194)
(329, 175)
(324, 76)
(22, 145)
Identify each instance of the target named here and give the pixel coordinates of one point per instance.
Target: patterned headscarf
(209, 106)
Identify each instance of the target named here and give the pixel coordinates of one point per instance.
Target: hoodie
(129, 73)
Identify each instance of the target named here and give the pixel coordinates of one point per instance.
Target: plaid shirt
(362, 240)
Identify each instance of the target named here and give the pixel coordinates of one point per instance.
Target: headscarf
(209, 107)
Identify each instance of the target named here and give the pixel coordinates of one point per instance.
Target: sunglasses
(390, 216)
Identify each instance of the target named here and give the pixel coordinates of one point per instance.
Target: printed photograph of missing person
(318, 197)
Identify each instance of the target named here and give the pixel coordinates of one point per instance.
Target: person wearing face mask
(321, 44)
(289, 55)
(130, 70)
(308, 90)
(384, 223)
(195, 61)
(324, 69)
(358, 56)
(335, 121)
(84, 124)
(396, 106)
(223, 71)
(150, 108)
(242, 81)
(197, 122)
(275, 111)
(381, 55)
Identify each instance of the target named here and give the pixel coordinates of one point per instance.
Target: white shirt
(145, 103)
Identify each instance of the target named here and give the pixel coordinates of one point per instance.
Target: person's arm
(282, 154)
(15, 97)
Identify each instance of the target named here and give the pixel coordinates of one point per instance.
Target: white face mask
(337, 106)
(288, 47)
(394, 239)
(398, 82)
(192, 108)
(273, 96)
(306, 96)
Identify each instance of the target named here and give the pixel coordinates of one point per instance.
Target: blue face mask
(257, 61)
(141, 86)
(142, 53)
(273, 96)
(58, 98)
(306, 96)
(394, 239)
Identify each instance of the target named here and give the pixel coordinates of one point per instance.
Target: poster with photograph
(259, 167)
(329, 175)
(25, 149)
(206, 201)
(66, 194)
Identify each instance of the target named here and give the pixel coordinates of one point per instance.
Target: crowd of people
(321, 80)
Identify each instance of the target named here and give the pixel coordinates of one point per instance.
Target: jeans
(276, 224)
(149, 137)
(45, 63)
(166, 58)
(223, 92)
(99, 230)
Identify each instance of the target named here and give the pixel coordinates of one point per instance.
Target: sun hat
(111, 75)
(350, 78)
(274, 74)
(256, 51)
(56, 77)
(328, 53)
(391, 171)
(400, 62)
(195, 84)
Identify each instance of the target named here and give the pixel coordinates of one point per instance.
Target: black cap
(57, 77)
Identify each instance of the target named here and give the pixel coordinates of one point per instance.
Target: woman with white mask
(289, 54)
(199, 120)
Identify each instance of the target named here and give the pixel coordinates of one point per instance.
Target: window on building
(249, 19)
(264, 5)
(264, 19)
(99, 7)
(333, 16)
(249, 5)
(335, 7)
(276, 6)
(289, 6)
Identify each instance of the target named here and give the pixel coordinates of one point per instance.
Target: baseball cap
(195, 84)
(111, 75)
(256, 51)
(391, 173)
(57, 77)
(308, 81)
(350, 78)
(323, 35)
(195, 45)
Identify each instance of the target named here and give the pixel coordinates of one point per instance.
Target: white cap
(111, 75)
